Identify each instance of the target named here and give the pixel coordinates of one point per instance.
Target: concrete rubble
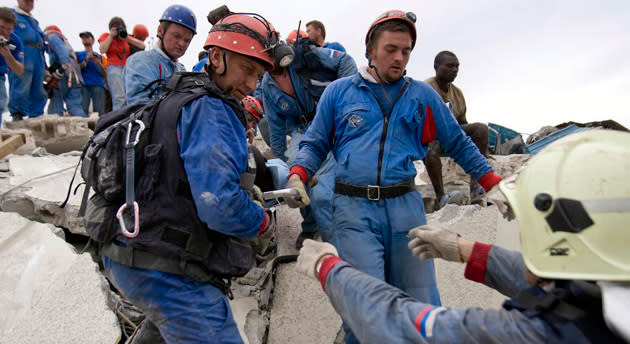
(39, 199)
(28, 147)
(57, 134)
(269, 306)
(48, 292)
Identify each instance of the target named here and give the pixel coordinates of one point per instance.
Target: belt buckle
(370, 189)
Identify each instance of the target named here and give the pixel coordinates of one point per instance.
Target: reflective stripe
(320, 83)
(430, 321)
(426, 319)
(619, 205)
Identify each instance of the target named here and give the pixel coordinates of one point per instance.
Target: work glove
(496, 196)
(434, 241)
(300, 201)
(311, 255)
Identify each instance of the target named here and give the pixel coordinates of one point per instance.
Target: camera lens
(122, 32)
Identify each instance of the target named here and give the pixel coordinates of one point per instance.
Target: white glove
(433, 241)
(311, 255)
(497, 197)
(300, 201)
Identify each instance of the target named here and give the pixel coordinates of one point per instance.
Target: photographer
(11, 52)
(93, 75)
(116, 46)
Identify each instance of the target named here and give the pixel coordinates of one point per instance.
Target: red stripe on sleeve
(327, 265)
(421, 316)
(300, 171)
(429, 132)
(263, 224)
(478, 263)
(489, 180)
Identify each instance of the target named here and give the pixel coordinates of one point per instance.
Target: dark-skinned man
(446, 66)
(377, 123)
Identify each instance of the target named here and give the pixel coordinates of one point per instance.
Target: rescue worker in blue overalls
(199, 209)
(69, 80)
(27, 96)
(290, 97)
(377, 123)
(11, 52)
(571, 284)
(146, 72)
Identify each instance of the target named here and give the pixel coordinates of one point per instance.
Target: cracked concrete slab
(49, 293)
(39, 199)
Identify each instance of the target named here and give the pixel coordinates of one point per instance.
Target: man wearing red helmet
(254, 109)
(377, 123)
(148, 71)
(201, 218)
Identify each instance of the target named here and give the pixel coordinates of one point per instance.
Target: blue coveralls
(144, 68)
(213, 148)
(372, 235)
(18, 54)
(198, 67)
(94, 84)
(286, 115)
(66, 90)
(379, 313)
(334, 45)
(27, 95)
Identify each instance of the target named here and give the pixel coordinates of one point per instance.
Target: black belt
(135, 258)
(375, 192)
(37, 45)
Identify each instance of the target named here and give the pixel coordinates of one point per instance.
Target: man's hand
(433, 241)
(311, 255)
(300, 201)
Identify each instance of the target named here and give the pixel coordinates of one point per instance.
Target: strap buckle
(373, 192)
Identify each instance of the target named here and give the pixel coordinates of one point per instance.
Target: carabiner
(129, 144)
(121, 220)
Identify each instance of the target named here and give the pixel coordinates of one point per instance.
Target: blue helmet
(181, 15)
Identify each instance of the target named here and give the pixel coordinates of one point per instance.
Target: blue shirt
(392, 90)
(199, 66)
(334, 45)
(18, 53)
(91, 73)
(148, 68)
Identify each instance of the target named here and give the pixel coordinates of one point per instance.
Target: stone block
(57, 134)
(48, 293)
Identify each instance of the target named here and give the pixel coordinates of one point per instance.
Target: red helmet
(52, 28)
(253, 106)
(408, 18)
(245, 34)
(140, 32)
(293, 36)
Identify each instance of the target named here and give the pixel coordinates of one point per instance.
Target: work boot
(303, 236)
(18, 116)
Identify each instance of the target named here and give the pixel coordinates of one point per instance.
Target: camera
(5, 43)
(122, 32)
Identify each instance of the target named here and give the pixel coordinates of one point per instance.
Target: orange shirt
(118, 51)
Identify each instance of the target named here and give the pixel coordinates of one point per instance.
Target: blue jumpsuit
(27, 95)
(379, 313)
(144, 68)
(372, 235)
(66, 90)
(213, 149)
(285, 117)
(18, 54)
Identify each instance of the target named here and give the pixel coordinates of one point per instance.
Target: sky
(523, 64)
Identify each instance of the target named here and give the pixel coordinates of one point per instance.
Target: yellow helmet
(572, 202)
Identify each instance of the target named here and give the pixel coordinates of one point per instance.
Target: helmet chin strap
(380, 80)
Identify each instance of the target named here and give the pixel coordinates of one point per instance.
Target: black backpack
(112, 160)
